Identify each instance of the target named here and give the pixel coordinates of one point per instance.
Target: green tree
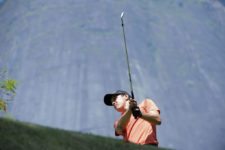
(7, 89)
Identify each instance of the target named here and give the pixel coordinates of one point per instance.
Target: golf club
(135, 110)
(127, 58)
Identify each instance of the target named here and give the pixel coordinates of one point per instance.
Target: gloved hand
(135, 109)
(136, 112)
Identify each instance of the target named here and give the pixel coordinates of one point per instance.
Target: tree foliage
(7, 89)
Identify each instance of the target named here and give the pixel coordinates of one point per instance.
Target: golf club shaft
(127, 58)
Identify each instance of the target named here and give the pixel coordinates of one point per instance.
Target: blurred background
(67, 54)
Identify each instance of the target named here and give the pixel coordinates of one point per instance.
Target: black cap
(108, 97)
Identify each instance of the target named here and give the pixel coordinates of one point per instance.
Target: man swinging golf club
(137, 123)
(138, 127)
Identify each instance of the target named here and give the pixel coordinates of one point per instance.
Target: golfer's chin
(119, 109)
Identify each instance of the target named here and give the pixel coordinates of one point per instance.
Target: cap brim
(107, 99)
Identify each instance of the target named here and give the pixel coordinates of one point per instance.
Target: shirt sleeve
(148, 105)
(115, 125)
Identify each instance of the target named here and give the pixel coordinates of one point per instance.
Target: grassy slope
(16, 135)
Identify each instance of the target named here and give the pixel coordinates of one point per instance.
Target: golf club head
(121, 16)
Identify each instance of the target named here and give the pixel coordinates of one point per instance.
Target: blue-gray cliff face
(67, 54)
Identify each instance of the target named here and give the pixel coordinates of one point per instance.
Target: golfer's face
(119, 102)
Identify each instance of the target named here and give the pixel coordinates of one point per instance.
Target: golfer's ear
(127, 96)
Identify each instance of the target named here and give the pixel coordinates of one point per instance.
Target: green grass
(15, 135)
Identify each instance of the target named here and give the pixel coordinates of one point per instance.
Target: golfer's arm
(152, 116)
(123, 122)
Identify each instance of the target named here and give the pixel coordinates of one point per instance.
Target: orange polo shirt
(140, 131)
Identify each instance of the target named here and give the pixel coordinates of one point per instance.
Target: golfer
(137, 123)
